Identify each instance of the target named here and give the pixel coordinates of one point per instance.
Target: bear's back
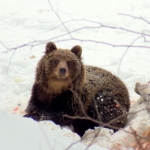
(104, 83)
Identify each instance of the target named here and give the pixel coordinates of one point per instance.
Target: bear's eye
(69, 63)
(56, 61)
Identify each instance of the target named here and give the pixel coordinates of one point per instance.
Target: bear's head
(61, 69)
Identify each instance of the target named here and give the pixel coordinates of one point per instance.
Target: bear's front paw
(34, 116)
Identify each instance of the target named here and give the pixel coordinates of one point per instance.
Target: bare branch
(99, 25)
(140, 18)
(10, 61)
(59, 18)
(72, 145)
(93, 140)
(137, 138)
(105, 43)
(126, 52)
(102, 124)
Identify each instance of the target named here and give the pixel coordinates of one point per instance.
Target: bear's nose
(62, 70)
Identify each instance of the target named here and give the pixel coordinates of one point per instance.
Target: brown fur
(51, 80)
(62, 81)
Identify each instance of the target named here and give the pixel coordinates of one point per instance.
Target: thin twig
(120, 62)
(59, 19)
(140, 18)
(137, 138)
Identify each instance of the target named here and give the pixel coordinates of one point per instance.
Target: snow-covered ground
(114, 35)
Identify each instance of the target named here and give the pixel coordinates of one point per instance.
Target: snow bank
(19, 133)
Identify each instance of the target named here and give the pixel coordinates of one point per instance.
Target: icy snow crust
(36, 22)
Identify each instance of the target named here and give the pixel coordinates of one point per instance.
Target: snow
(21, 133)
(26, 26)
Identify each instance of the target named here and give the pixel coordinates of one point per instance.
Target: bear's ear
(50, 46)
(77, 50)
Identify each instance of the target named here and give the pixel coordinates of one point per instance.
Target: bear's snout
(62, 71)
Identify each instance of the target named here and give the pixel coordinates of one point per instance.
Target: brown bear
(75, 95)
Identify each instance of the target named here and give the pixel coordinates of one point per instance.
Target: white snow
(19, 133)
(26, 26)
